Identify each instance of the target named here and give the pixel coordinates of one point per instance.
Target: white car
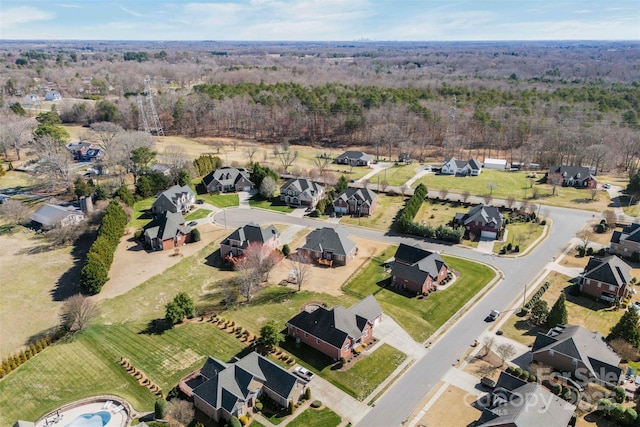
(494, 315)
(303, 373)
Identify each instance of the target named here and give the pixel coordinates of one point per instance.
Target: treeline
(95, 272)
(11, 363)
(206, 163)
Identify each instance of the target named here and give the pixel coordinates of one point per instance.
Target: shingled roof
(611, 270)
(324, 238)
(630, 233)
(251, 233)
(355, 155)
(416, 264)
(166, 225)
(334, 326)
(227, 176)
(364, 194)
(483, 214)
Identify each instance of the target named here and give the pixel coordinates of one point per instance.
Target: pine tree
(627, 329)
(558, 314)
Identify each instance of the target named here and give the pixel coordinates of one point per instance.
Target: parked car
(200, 201)
(635, 306)
(488, 382)
(193, 223)
(303, 373)
(493, 315)
(606, 186)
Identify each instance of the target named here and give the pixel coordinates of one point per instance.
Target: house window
(317, 341)
(552, 352)
(348, 346)
(306, 335)
(612, 288)
(599, 285)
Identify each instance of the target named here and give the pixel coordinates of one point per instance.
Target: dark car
(200, 201)
(193, 223)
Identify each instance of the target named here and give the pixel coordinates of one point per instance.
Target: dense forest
(545, 102)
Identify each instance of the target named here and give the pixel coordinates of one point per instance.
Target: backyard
(522, 234)
(420, 317)
(383, 216)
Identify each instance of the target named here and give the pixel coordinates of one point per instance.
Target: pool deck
(118, 418)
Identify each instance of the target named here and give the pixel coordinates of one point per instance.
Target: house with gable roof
(355, 201)
(237, 242)
(222, 390)
(482, 219)
(626, 242)
(454, 166)
(49, 216)
(517, 403)
(578, 353)
(328, 246)
(354, 158)
(228, 179)
(167, 231)
(175, 199)
(416, 269)
(575, 176)
(339, 331)
(606, 278)
(301, 192)
(52, 95)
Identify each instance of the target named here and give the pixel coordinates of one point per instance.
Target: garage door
(246, 189)
(488, 234)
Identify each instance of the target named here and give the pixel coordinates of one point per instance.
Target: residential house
(227, 179)
(222, 390)
(355, 201)
(84, 151)
(606, 278)
(497, 164)
(354, 158)
(339, 331)
(4, 198)
(575, 176)
(238, 241)
(482, 219)
(166, 231)
(454, 166)
(328, 246)
(626, 242)
(176, 199)
(161, 168)
(31, 99)
(49, 216)
(52, 95)
(416, 269)
(517, 403)
(578, 354)
(301, 192)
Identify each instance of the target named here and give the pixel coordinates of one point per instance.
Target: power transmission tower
(143, 122)
(149, 120)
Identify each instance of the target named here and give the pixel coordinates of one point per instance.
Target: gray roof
(579, 343)
(227, 384)
(630, 233)
(169, 197)
(49, 215)
(484, 214)
(334, 239)
(416, 264)
(530, 405)
(334, 326)
(302, 185)
(252, 233)
(611, 270)
(166, 225)
(227, 175)
(363, 194)
(577, 173)
(355, 155)
(473, 163)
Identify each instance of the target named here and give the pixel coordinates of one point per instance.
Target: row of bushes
(567, 393)
(412, 207)
(12, 362)
(582, 251)
(617, 413)
(534, 299)
(95, 272)
(522, 374)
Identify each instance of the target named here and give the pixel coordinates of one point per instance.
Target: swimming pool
(97, 419)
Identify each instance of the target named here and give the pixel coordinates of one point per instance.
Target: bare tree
(61, 235)
(180, 413)
(534, 192)
(251, 149)
(105, 133)
(505, 351)
(15, 132)
(465, 196)
(593, 192)
(125, 143)
(55, 162)
(285, 154)
(444, 192)
(257, 262)
(249, 278)
(488, 342)
(175, 157)
(301, 268)
(14, 211)
(492, 186)
(488, 198)
(268, 187)
(511, 201)
(554, 180)
(322, 162)
(610, 217)
(625, 350)
(77, 313)
(404, 188)
(383, 185)
(585, 235)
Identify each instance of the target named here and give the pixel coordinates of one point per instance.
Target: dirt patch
(454, 406)
(329, 279)
(484, 365)
(572, 260)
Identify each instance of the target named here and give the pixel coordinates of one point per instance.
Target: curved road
(393, 408)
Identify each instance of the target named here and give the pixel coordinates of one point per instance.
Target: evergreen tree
(627, 329)
(81, 188)
(539, 312)
(558, 314)
(195, 235)
(125, 195)
(100, 193)
(342, 183)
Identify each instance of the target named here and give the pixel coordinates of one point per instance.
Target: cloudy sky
(376, 20)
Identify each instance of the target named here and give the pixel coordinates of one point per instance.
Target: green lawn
(140, 216)
(420, 317)
(383, 216)
(88, 365)
(198, 214)
(274, 205)
(520, 233)
(221, 200)
(435, 213)
(396, 175)
(324, 417)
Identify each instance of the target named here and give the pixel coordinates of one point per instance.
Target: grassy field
(582, 311)
(420, 317)
(198, 214)
(324, 417)
(17, 180)
(221, 200)
(397, 175)
(274, 205)
(520, 233)
(383, 216)
(140, 216)
(435, 213)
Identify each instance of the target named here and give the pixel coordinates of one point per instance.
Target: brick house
(301, 192)
(487, 221)
(626, 242)
(416, 269)
(355, 201)
(339, 331)
(330, 245)
(575, 176)
(354, 158)
(175, 199)
(240, 239)
(167, 231)
(222, 390)
(606, 278)
(227, 179)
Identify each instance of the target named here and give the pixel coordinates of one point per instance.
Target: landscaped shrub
(604, 406)
(307, 393)
(195, 235)
(316, 404)
(160, 409)
(525, 375)
(619, 394)
(243, 420)
(532, 378)
(286, 250)
(291, 408)
(630, 417)
(589, 251)
(234, 422)
(510, 369)
(258, 405)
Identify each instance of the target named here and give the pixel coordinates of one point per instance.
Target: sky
(320, 20)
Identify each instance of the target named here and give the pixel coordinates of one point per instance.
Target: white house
(498, 164)
(51, 215)
(52, 95)
(454, 166)
(31, 99)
